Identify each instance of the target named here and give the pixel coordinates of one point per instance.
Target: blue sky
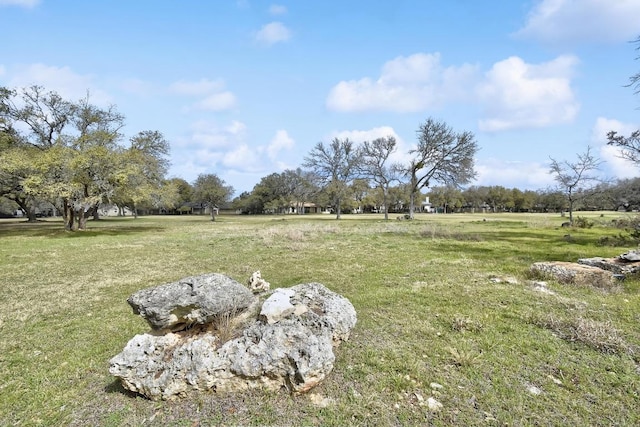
(245, 88)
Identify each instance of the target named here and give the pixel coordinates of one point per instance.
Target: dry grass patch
(598, 335)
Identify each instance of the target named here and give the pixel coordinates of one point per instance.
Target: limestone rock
(631, 256)
(278, 306)
(257, 284)
(296, 352)
(575, 274)
(615, 265)
(190, 301)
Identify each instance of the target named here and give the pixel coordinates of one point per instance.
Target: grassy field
(445, 310)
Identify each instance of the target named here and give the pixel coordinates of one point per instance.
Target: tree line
(73, 156)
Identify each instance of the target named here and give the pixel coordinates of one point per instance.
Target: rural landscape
(447, 308)
(235, 214)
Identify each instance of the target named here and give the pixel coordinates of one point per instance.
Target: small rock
(541, 286)
(554, 379)
(320, 401)
(433, 404)
(436, 386)
(257, 284)
(631, 256)
(534, 390)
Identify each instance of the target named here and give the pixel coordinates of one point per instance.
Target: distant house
(426, 206)
(307, 208)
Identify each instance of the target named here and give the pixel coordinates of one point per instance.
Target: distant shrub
(629, 236)
(582, 222)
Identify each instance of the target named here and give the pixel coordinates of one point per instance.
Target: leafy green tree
(448, 197)
(212, 192)
(247, 203)
(184, 189)
(336, 165)
(442, 156)
(499, 198)
(69, 153)
(41, 116)
(359, 189)
(523, 201)
(141, 172)
(302, 187)
(476, 197)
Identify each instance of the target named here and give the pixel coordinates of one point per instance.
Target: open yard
(445, 310)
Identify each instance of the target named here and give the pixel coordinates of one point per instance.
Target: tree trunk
(28, 210)
(96, 213)
(213, 213)
(338, 209)
(386, 208)
(135, 211)
(570, 211)
(412, 203)
(69, 216)
(82, 219)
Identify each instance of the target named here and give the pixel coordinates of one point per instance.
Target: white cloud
(218, 102)
(520, 95)
(244, 158)
(63, 80)
(215, 97)
(619, 167)
(513, 174)
(406, 84)
(210, 136)
(223, 148)
(21, 3)
(281, 141)
(202, 86)
(561, 21)
(277, 9)
(272, 33)
(359, 136)
(236, 128)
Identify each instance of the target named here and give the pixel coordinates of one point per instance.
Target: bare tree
(336, 165)
(634, 80)
(629, 146)
(442, 156)
(576, 177)
(375, 166)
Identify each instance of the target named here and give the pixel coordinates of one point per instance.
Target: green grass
(428, 312)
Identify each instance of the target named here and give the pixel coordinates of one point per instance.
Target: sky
(246, 88)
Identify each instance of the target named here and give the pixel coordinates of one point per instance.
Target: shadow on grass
(55, 229)
(116, 387)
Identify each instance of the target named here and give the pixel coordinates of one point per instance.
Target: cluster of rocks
(604, 273)
(210, 332)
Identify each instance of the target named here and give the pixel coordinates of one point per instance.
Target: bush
(582, 222)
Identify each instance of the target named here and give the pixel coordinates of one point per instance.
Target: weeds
(600, 336)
